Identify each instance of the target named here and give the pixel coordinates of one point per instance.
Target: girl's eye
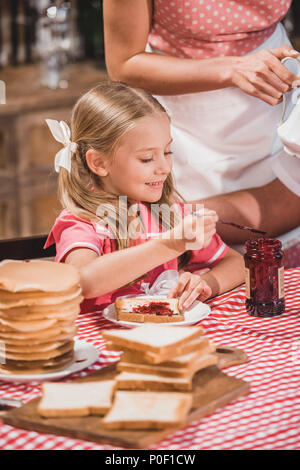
(150, 159)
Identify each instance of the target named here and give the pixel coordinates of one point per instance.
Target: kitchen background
(51, 52)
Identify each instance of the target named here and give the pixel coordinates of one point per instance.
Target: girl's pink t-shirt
(69, 232)
(201, 29)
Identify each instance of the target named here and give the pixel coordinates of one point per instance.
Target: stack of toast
(39, 304)
(160, 358)
(153, 389)
(157, 368)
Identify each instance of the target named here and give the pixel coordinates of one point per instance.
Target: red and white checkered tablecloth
(267, 418)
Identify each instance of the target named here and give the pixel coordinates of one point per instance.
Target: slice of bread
(76, 399)
(148, 309)
(147, 410)
(200, 363)
(159, 339)
(142, 318)
(197, 344)
(178, 361)
(142, 381)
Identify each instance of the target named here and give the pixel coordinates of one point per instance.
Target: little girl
(117, 190)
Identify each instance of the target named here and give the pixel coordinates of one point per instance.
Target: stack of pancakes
(39, 305)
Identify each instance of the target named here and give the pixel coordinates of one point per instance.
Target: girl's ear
(96, 162)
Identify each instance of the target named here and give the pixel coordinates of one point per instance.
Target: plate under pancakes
(39, 305)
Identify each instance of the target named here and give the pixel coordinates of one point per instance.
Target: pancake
(10, 300)
(8, 325)
(45, 368)
(42, 311)
(40, 347)
(12, 364)
(32, 276)
(32, 327)
(36, 341)
(38, 335)
(66, 315)
(36, 326)
(34, 356)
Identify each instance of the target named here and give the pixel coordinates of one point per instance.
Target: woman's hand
(189, 288)
(262, 75)
(194, 232)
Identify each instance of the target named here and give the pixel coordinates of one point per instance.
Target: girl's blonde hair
(99, 119)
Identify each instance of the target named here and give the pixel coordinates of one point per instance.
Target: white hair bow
(61, 132)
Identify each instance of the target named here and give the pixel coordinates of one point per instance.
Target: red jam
(154, 308)
(264, 277)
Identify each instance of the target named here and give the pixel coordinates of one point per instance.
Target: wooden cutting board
(212, 389)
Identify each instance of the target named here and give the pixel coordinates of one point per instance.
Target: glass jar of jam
(264, 277)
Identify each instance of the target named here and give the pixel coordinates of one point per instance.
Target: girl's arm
(100, 275)
(227, 274)
(127, 24)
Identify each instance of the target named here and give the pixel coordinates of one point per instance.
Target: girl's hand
(189, 288)
(194, 232)
(262, 75)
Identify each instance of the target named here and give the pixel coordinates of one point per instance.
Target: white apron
(223, 139)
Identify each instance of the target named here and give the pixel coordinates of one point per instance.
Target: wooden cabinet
(28, 182)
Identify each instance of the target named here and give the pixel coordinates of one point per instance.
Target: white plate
(195, 313)
(85, 355)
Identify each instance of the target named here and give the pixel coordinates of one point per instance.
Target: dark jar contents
(264, 277)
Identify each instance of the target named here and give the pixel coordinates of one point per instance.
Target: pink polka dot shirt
(212, 28)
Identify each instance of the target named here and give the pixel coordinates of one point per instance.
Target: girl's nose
(163, 165)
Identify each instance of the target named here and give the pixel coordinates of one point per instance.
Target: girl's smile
(156, 185)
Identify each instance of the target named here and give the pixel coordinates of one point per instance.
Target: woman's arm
(272, 208)
(126, 27)
(227, 274)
